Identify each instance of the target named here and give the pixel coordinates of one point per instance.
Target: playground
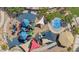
(28, 33)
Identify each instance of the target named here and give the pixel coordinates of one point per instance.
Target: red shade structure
(34, 45)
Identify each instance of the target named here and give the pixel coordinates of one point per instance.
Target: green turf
(74, 10)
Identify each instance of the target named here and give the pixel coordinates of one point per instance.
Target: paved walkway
(76, 43)
(2, 18)
(45, 47)
(56, 32)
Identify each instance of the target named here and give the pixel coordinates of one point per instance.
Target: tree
(51, 16)
(42, 11)
(76, 30)
(4, 46)
(68, 19)
(14, 11)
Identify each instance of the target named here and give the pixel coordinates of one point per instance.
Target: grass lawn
(74, 10)
(53, 15)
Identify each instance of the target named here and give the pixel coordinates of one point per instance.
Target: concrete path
(45, 47)
(5, 24)
(56, 32)
(76, 43)
(7, 20)
(2, 18)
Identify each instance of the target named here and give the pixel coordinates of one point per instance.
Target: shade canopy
(25, 23)
(46, 35)
(28, 15)
(13, 43)
(23, 35)
(56, 23)
(41, 22)
(66, 38)
(50, 36)
(34, 45)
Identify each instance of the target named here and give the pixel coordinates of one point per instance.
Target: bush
(4, 47)
(69, 49)
(14, 10)
(76, 30)
(51, 16)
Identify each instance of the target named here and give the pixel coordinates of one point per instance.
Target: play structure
(25, 30)
(22, 36)
(56, 26)
(56, 23)
(25, 23)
